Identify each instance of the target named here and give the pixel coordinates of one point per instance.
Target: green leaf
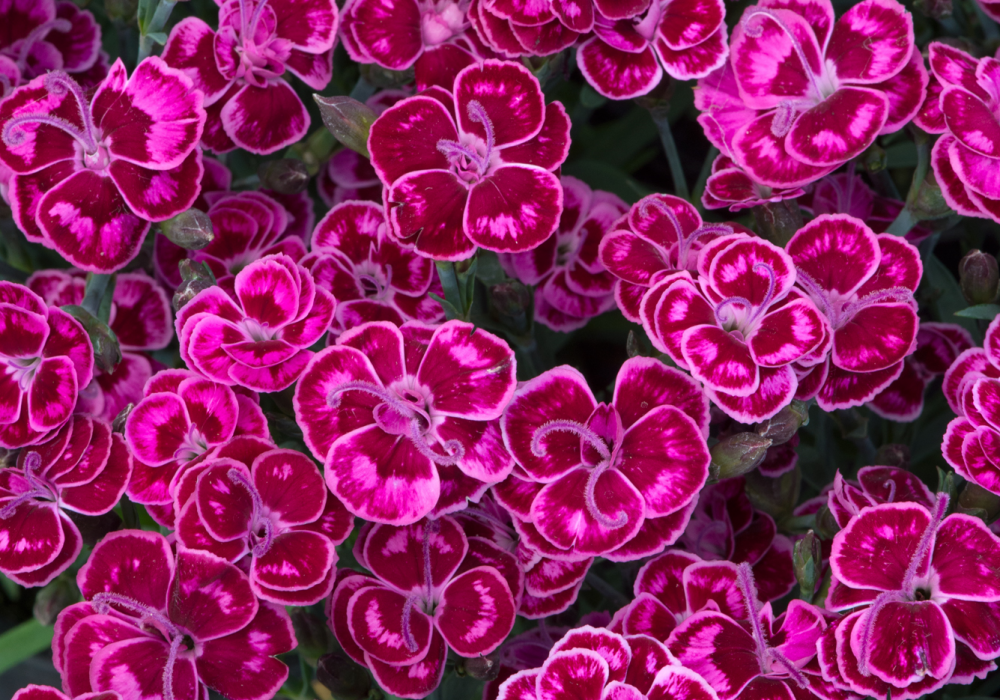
(23, 642)
(159, 37)
(984, 311)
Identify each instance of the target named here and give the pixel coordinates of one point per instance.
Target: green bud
(107, 351)
(893, 455)
(807, 557)
(777, 496)
(484, 668)
(777, 222)
(975, 497)
(118, 424)
(54, 598)
(852, 423)
(979, 277)
(348, 120)
(385, 78)
(657, 100)
(785, 424)
(284, 175)
(632, 346)
(191, 229)
(346, 679)
(510, 299)
(874, 159)
(196, 277)
(735, 455)
(928, 202)
(312, 633)
(826, 524)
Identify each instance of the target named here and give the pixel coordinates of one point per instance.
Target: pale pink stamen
(57, 83)
(755, 311)
(684, 243)
(259, 522)
(462, 157)
(36, 489)
(765, 653)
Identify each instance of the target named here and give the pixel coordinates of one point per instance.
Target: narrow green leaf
(23, 642)
(984, 311)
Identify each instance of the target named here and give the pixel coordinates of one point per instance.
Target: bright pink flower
(43, 36)
(738, 328)
(259, 341)
(571, 284)
(155, 625)
(182, 420)
(816, 93)
(864, 284)
(725, 525)
(83, 469)
(661, 235)
(247, 226)
(373, 276)
(874, 485)
(514, 28)
(938, 346)
(729, 186)
(607, 474)
(44, 692)
(929, 588)
(272, 507)
(420, 603)
(590, 663)
(474, 166)
(91, 174)
(46, 358)
(405, 419)
(756, 655)
(239, 69)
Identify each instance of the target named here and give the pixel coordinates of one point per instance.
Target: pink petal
(549, 147)
(697, 61)
(156, 428)
(718, 649)
(871, 42)
(428, 210)
(962, 547)
(840, 128)
(264, 120)
(611, 646)
(876, 337)
(416, 680)
(31, 537)
(296, 560)
(376, 616)
(776, 389)
(102, 493)
(136, 667)
(837, 251)
(674, 682)
(139, 565)
(922, 643)
(875, 549)
(191, 49)
(404, 138)
(617, 74)
(766, 158)
(644, 383)
(51, 394)
(720, 360)
(476, 612)
(158, 194)
(209, 597)
(580, 674)
(389, 32)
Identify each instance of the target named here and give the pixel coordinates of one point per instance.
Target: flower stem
(906, 219)
(673, 158)
(153, 16)
(706, 172)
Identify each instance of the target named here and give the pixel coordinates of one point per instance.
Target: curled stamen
(370, 279)
(747, 586)
(590, 498)
(902, 295)
(817, 293)
(431, 527)
(770, 283)
(103, 601)
(477, 113)
(568, 426)
(31, 462)
(57, 83)
(454, 449)
(727, 302)
(257, 14)
(865, 651)
(408, 638)
(784, 117)
(453, 149)
(926, 540)
(754, 28)
(891, 485)
(800, 680)
(168, 670)
(654, 202)
(386, 396)
(258, 521)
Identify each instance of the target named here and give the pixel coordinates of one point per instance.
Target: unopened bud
(484, 668)
(775, 495)
(780, 428)
(975, 497)
(196, 277)
(657, 100)
(107, 351)
(807, 558)
(826, 524)
(348, 120)
(928, 202)
(874, 159)
(191, 229)
(777, 222)
(346, 679)
(978, 275)
(737, 454)
(386, 78)
(852, 423)
(893, 455)
(935, 9)
(284, 176)
(118, 424)
(54, 598)
(510, 299)
(632, 347)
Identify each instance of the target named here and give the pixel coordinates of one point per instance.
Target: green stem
(362, 90)
(155, 25)
(903, 223)
(97, 288)
(906, 219)
(673, 158)
(706, 172)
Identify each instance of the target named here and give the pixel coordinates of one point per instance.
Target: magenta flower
(473, 167)
(405, 419)
(180, 420)
(402, 621)
(874, 486)
(239, 68)
(45, 692)
(726, 526)
(571, 284)
(864, 284)
(259, 341)
(91, 174)
(82, 469)
(156, 625)
(938, 346)
(590, 663)
(661, 235)
(729, 186)
(347, 176)
(928, 587)
(608, 474)
(756, 655)
(816, 93)
(740, 327)
(372, 275)
(46, 358)
(247, 226)
(272, 506)
(43, 36)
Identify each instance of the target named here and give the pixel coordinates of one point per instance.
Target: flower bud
(893, 455)
(975, 497)
(348, 120)
(284, 176)
(191, 229)
(935, 9)
(777, 496)
(657, 100)
(632, 347)
(979, 277)
(484, 668)
(118, 424)
(54, 598)
(874, 159)
(807, 558)
(826, 524)
(196, 278)
(737, 454)
(777, 222)
(107, 351)
(345, 679)
(928, 202)
(510, 299)
(785, 424)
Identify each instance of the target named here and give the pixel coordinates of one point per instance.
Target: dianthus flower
(740, 327)
(240, 68)
(591, 663)
(864, 284)
(271, 506)
(660, 236)
(405, 419)
(348, 176)
(929, 586)
(373, 276)
(259, 341)
(816, 93)
(608, 474)
(571, 284)
(82, 469)
(874, 485)
(402, 621)
(156, 624)
(46, 358)
(91, 174)
(474, 166)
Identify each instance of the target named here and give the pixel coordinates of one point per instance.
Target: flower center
(261, 53)
(441, 20)
(20, 50)
(261, 534)
(194, 445)
(256, 330)
(473, 160)
(58, 83)
(740, 321)
(374, 281)
(34, 487)
(22, 370)
(684, 242)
